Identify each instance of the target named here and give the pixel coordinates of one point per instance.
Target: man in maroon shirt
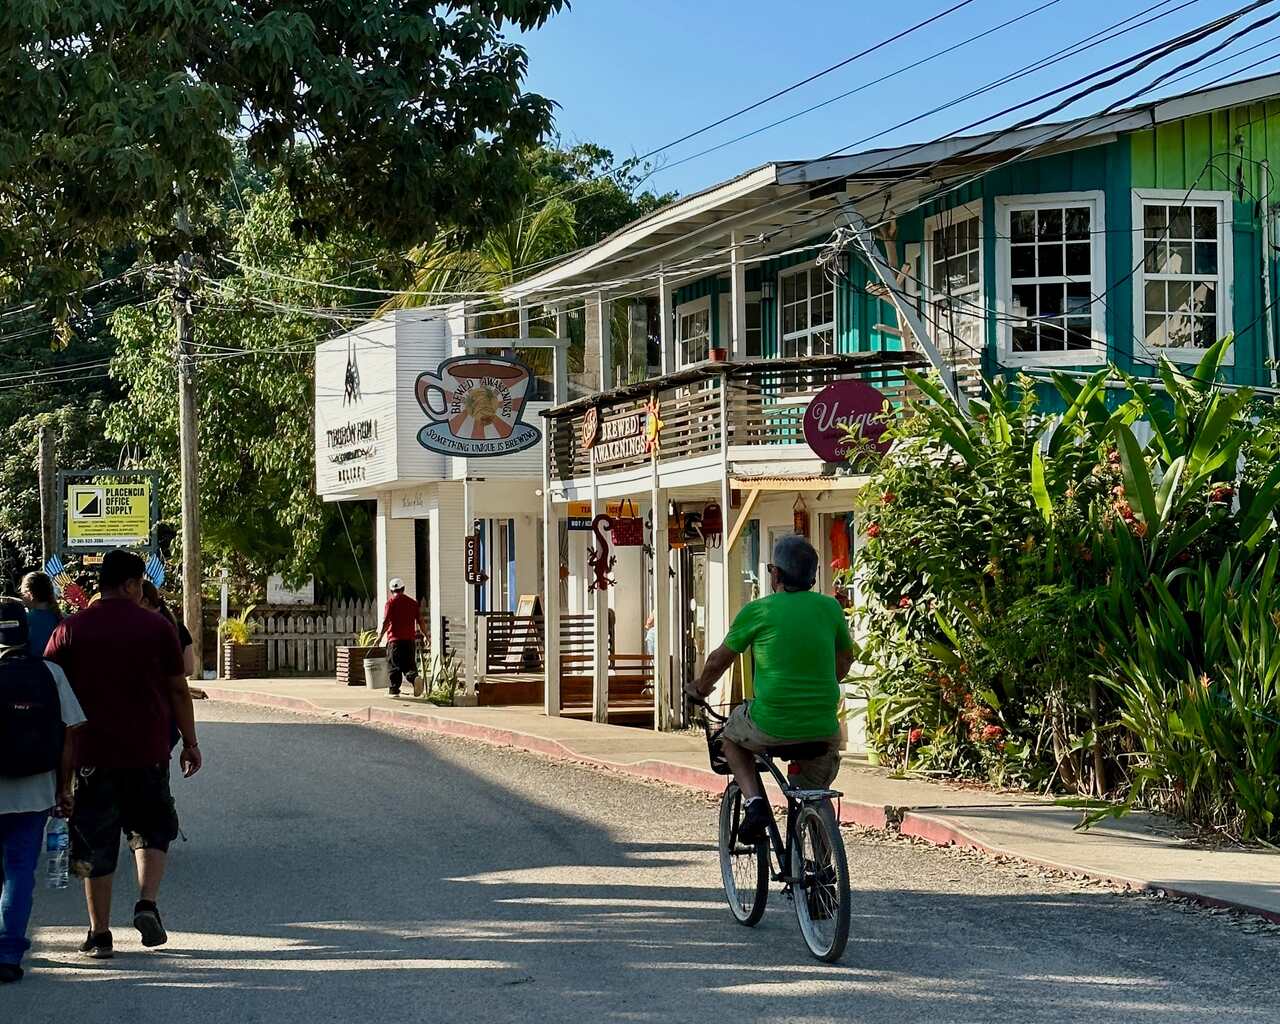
(401, 619)
(125, 666)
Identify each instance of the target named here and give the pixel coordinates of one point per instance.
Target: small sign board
(107, 509)
(278, 593)
(474, 574)
(839, 407)
(579, 515)
(529, 604)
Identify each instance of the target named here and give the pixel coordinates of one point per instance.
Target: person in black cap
(37, 713)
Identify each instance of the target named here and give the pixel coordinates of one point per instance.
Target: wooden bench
(630, 686)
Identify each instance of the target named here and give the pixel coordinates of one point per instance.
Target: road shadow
(336, 872)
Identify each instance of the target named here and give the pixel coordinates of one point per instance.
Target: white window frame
(726, 323)
(1142, 352)
(1097, 352)
(804, 268)
(932, 293)
(683, 310)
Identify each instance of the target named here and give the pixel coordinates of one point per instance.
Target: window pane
(1078, 259)
(1079, 299)
(802, 285)
(1204, 297)
(1153, 295)
(1155, 331)
(1052, 336)
(1050, 260)
(788, 319)
(1179, 261)
(939, 245)
(1206, 258)
(825, 309)
(1024, 339)
(1024, 300)
(1179, 296)
(1077, 222)
(1206, 218)
(1079, 331)
(1022, 261)
(1206, 331)
(1154, 254)
(1051, 299)
(1179, 222)
(1022, 226)
(1153, 220)
(1178, 331)
(789, 288)
(802, 316)
(974, 257)
(823, 343)
(1049, 225)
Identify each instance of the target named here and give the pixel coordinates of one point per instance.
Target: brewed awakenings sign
(846, 403)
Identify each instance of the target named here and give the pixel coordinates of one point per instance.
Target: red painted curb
(928, 827)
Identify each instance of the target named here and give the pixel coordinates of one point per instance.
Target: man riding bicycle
(802, 649)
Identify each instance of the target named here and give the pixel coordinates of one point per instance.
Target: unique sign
(109, 515)
(837, 408)
(475, 404)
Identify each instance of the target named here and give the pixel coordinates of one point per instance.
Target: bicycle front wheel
(821, 888)
(744, 868)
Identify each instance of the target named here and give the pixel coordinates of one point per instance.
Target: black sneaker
(393, 693)
(755, 821)
(146, 918)
(9, 973)
(98, 946)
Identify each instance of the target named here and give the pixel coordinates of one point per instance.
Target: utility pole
(188, 429)
(48, 500)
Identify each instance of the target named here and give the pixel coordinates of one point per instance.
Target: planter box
(244, 661)
(350, 663)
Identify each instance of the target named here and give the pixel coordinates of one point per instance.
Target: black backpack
(31, 729)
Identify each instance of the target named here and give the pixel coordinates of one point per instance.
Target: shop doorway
(690, 640)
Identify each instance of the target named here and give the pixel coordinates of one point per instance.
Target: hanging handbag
(628, 530)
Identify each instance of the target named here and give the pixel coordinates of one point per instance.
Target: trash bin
(375, 673)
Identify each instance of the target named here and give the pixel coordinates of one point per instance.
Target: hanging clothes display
(839, 538)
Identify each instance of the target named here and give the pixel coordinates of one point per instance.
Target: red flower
(915, 735)
(1222, 493)
(991, 733)
(888, 497)
(873, 530)
(904, 601)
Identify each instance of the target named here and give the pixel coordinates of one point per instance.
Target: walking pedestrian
(38, 711)
(43, 613)
(152, 599)
(125, 666)
(401, 620)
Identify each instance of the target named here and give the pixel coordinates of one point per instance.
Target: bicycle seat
(797, 751)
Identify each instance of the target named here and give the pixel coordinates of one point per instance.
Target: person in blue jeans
(26, 799)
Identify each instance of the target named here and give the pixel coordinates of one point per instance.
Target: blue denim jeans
(21, 839)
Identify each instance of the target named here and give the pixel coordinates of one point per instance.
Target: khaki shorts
(815, 773)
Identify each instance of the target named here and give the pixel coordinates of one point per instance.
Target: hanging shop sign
(475, 404)
(839, 408)
(472, 571)
(108, 509)
(628, 528)
(578, 516)
(621, 438)
(800, 517)
(712, 525)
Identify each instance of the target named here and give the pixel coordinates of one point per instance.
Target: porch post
(600, 609)
(726, 553)
(661, 607)
(738, 302)
(551, 610)
(602, 309)
(664, 324)
(560, 365)
(469, 615)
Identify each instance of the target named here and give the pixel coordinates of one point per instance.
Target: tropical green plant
(238, 629)
(366, 638)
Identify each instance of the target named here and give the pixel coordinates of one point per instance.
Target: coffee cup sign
(839, 406)
(475, 404)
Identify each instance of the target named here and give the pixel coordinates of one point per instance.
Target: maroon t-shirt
(401, 617)
(119, 658)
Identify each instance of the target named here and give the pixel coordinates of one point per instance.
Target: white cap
(396, 583)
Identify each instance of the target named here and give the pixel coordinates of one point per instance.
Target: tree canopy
(116, 115)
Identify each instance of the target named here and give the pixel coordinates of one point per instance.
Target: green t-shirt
(794, 638)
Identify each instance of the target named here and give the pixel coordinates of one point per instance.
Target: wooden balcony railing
(705, 408)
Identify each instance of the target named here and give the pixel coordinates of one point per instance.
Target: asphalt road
(340, 873)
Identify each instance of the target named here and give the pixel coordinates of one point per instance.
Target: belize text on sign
(109, 515)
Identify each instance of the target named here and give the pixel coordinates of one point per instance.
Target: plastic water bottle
(57, 847)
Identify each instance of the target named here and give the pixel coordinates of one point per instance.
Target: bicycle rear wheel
(821, 893)
(744, 869)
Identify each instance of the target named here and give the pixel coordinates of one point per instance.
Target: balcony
(741, 417)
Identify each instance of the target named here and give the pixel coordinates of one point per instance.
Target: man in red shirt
(401, 619)
(125, 667)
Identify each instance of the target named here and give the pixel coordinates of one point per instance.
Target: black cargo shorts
(109, 802)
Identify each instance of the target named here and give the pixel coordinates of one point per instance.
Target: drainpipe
(1267, 316)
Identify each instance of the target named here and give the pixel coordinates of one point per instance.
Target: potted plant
(351, 657)
(719, 355)
(242, 657)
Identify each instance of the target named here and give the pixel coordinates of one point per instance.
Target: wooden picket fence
(305, 642)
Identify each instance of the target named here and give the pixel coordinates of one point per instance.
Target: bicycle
(810, 861)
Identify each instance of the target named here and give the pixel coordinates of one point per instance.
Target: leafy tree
(259, 511)
(118, 115)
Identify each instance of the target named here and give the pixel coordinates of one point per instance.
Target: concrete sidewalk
(1142, 851)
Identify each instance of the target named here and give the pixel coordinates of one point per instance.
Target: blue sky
(634, 75)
